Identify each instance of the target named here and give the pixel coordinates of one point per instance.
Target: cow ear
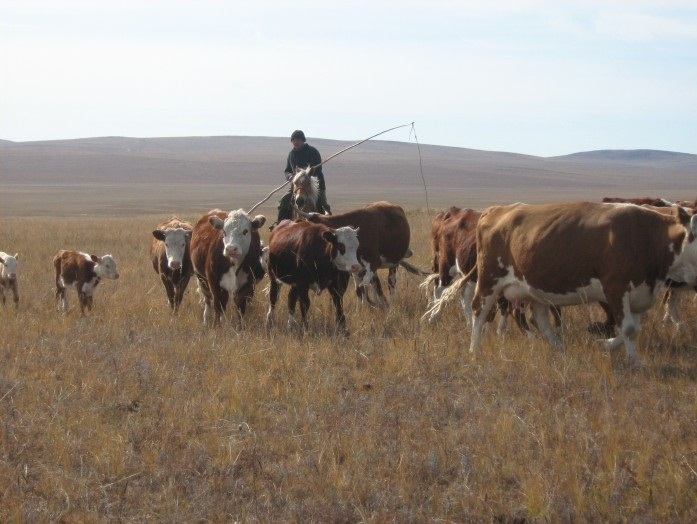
(216, 222)
(95, 259)
(2, 260)
(16, 256)
(330, 237)
(159, 234)
(258, 221)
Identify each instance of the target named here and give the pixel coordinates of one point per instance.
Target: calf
(82, 272)
(311, 256)
(226, 254)
(8, 276)
(169, 253)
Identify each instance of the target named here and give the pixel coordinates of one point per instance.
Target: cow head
(344, 241)
(237, 231)
(305, 190)
(105, 267)
(176, 240)
(10, 263)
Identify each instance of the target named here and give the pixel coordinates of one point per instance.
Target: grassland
(131, 415)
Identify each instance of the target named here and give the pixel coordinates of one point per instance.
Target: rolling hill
(120, 175)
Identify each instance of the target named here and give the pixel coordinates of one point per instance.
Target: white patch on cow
(348, 261)
(233, 281)
(89, 287)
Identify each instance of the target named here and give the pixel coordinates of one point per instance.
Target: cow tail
(429, 280)
(452, 291)
(413, 269)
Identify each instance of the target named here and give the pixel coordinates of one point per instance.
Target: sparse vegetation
(131, 415)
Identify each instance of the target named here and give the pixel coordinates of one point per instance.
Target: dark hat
(297, 134)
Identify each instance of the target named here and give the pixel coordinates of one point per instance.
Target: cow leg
(179, 291)
(274, 288)
(377, 287)
(220, 300)
(292, 302)
(169, 288)
(205, 293)
(15, 293)
(2, 294)
(303, 295)
(243, 297)
(362, 291)
(82, 298)
(337, 291)
(540, 313)
(671, 300)
(466, 301)
(391, 283)
(481, 306)
(61, 302)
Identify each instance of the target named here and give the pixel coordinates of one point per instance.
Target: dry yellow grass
(128, 415)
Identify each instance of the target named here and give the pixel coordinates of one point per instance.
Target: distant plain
(117, 176)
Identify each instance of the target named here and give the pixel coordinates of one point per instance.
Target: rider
(302, 155)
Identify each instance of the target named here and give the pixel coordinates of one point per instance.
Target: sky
(539, 77)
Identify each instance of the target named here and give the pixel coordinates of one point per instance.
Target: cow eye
(342, 248)
(245, 231)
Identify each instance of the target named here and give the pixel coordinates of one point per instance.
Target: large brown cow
(454, 254)
(83, 272)
(383, 243)
(171, 260)
(310, 256)
(8, 277)
(578, 253)
(226, 255)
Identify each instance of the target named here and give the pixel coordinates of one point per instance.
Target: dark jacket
(304, 157)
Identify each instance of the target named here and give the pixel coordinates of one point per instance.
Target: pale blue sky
(537, 77)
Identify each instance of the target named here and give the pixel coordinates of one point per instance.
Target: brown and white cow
(454, 254)
(226, 256)
(170, 257)
(579, 253)
(309, 256)
(8, 277)
(383, 243)
(83, 272)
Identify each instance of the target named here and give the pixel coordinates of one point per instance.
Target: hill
(120, 175)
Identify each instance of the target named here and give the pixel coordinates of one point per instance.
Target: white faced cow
(226, 254)
(383, 243)
(311, 256)
(581, 252)
(83, 272)
(8, 276)
(169, 253)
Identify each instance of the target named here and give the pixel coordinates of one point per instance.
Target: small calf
(8, 276)
(169, 254)
(82, 272)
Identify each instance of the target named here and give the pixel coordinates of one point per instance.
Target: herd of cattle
(510, 258)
